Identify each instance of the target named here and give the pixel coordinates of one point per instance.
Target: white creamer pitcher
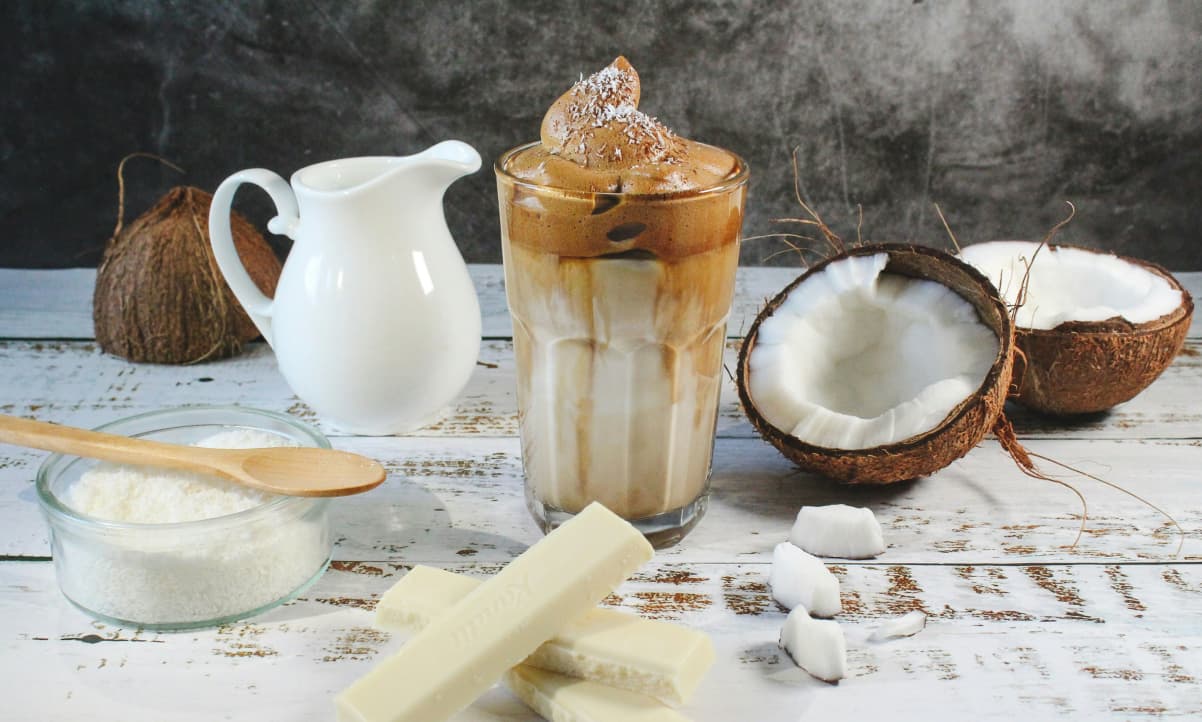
(375, 322)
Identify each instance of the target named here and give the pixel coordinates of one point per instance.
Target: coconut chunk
(907, 625)
(1072, 284)
(799, 580)
(856, 358)
(838, 530)
(815, 645)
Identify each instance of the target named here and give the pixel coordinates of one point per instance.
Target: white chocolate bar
(463, 652)
(613, 648)
(565, 699)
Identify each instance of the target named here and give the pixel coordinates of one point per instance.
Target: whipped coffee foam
(594, 138)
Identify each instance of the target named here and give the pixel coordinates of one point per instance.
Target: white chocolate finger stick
(614, 648)
(564, 699)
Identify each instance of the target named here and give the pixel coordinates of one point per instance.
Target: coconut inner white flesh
(838, 530)
(1069, 284)
(906, 625)
(856, 358)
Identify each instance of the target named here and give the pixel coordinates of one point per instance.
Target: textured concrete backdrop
(1000, 111)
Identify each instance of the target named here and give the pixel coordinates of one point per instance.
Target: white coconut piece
(815, 645)
(907, 625)
(798, 580)
(838, 530)
(855, 358)
(1071, 284)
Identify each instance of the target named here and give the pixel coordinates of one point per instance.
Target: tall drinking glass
(619, 304)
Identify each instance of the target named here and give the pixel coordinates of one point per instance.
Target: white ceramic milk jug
(375, 322)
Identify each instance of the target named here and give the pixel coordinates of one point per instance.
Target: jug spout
(443, 163)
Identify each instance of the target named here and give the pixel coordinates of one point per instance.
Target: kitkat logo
(513, 596)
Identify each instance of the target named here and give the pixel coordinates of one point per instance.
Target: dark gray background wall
(1000, 111)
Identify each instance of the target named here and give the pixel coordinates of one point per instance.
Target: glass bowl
(186, 574)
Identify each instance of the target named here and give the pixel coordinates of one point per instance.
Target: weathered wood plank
(450, 499)
(46, 304)
(58, 303)
(72, 382)
(1002, 642)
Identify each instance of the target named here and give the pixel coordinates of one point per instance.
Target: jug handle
(257, 305)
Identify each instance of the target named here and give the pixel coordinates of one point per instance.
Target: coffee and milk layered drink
(620, 244)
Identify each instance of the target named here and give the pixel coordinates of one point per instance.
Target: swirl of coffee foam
(597, 123)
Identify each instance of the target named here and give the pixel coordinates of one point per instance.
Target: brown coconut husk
(1003, 430)
(160, 297)
(1083, 367)
(933, 450)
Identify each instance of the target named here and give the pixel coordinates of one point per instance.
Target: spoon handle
(99, 445)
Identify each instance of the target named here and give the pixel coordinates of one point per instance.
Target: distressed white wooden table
(1020, 626)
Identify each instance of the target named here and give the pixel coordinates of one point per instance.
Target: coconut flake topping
(855, 358)
(1072, 284)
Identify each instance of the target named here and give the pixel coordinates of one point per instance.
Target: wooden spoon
(291, 470)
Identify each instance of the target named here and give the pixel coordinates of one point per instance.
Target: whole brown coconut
(160, 297)
(928, 452)
(1085, 367)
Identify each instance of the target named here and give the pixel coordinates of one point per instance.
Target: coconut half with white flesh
(1094, 329)
(884, 363)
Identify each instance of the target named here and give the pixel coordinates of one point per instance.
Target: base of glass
(662, 530)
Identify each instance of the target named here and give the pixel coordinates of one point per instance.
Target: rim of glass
(726, 184)
(55, 463)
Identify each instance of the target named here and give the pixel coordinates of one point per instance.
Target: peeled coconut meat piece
(800, 580)
(882, 364)
(838, 530)
(1094, 328)
(907, 625)
(816, 645)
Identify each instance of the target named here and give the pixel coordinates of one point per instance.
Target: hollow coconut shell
(160, 297)
(1082, 367)
(930, 451)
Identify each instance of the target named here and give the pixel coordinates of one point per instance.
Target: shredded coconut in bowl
(149, 495)
(177, 576)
